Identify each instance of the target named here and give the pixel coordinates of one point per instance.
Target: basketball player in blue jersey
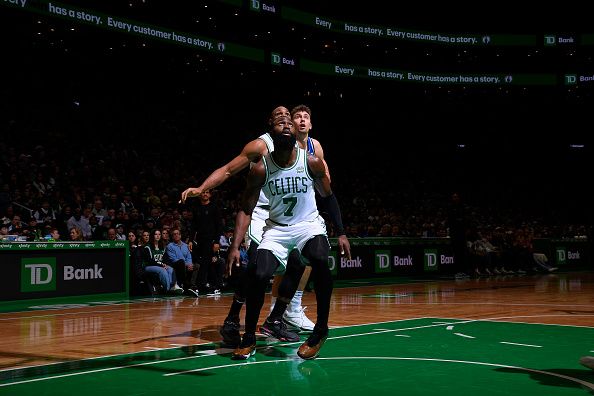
(251, 153)
(287, 176)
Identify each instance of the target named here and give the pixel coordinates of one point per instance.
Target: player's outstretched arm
(252, 152)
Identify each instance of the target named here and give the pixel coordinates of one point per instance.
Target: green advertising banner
(41, 270)
(276, 58)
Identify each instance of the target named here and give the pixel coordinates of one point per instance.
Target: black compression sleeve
(331, 205)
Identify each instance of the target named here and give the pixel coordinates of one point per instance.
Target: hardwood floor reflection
(58, 335)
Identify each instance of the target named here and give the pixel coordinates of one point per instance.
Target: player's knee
(261, 275)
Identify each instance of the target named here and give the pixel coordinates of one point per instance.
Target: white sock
(295, 303)
(272, 301)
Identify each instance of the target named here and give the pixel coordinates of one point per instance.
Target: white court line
(379, 332)
(401, 335)
(227, 365)
(515, 343)
(101, 370)
(458, 321)
(473, 303)
(210, 352)
(384, 322)
(464, 335)
(170, 360)
(498, 320)
(579, 381)
(93, 358)
(204, 343)
(152, 348)
(450, 328)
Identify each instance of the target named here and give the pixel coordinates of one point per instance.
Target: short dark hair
(300, 107)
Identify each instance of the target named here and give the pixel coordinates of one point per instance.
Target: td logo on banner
(430, 259)
(38, 274)
(561, 255)
(382, 261)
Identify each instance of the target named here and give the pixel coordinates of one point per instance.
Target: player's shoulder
(316, 143)
(256, 148)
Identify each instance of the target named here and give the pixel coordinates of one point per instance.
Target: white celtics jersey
(290, 191)
(262, 200)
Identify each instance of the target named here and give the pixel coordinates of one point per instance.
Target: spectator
(80, 222)
(179, 257)
(152, 262)
(54, 235)
(76, 234)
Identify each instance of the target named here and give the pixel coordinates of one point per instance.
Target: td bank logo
(332, 263)
(382, 261)
(570, 79)
(561, 255)
(38, 274)
(254, 5)
(430, 259)
(275, 58)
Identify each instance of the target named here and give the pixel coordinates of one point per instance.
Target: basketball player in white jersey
(251, 153)
(287, 176)
(294, 314)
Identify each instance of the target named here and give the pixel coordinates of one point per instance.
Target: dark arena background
(458, 139)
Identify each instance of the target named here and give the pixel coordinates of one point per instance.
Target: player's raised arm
(251, 153)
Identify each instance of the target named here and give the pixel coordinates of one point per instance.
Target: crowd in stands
(128, 191)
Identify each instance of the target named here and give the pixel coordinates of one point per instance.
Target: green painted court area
(425, 356)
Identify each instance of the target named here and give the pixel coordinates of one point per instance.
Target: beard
(284, 143)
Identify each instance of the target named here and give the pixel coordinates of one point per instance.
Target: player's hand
(233, 257)
(189, 193)
(344, 247)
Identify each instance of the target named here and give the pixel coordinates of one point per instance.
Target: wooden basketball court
(513, 335)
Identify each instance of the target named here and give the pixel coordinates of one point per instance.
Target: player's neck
(302, 139)
(285, 158)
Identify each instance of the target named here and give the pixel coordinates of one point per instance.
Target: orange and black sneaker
(246, 348)
(310, 349)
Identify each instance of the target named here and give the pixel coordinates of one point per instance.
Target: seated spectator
(15, 227)
(179, 257)
(80, 222)
(152, 263)
(45, 214)
(112, 234)
(165, 235)
(54, 235)
(33, 230)
(216, 270)
(120, 234)
(3, 231)
(225, 241)
(76, 234)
